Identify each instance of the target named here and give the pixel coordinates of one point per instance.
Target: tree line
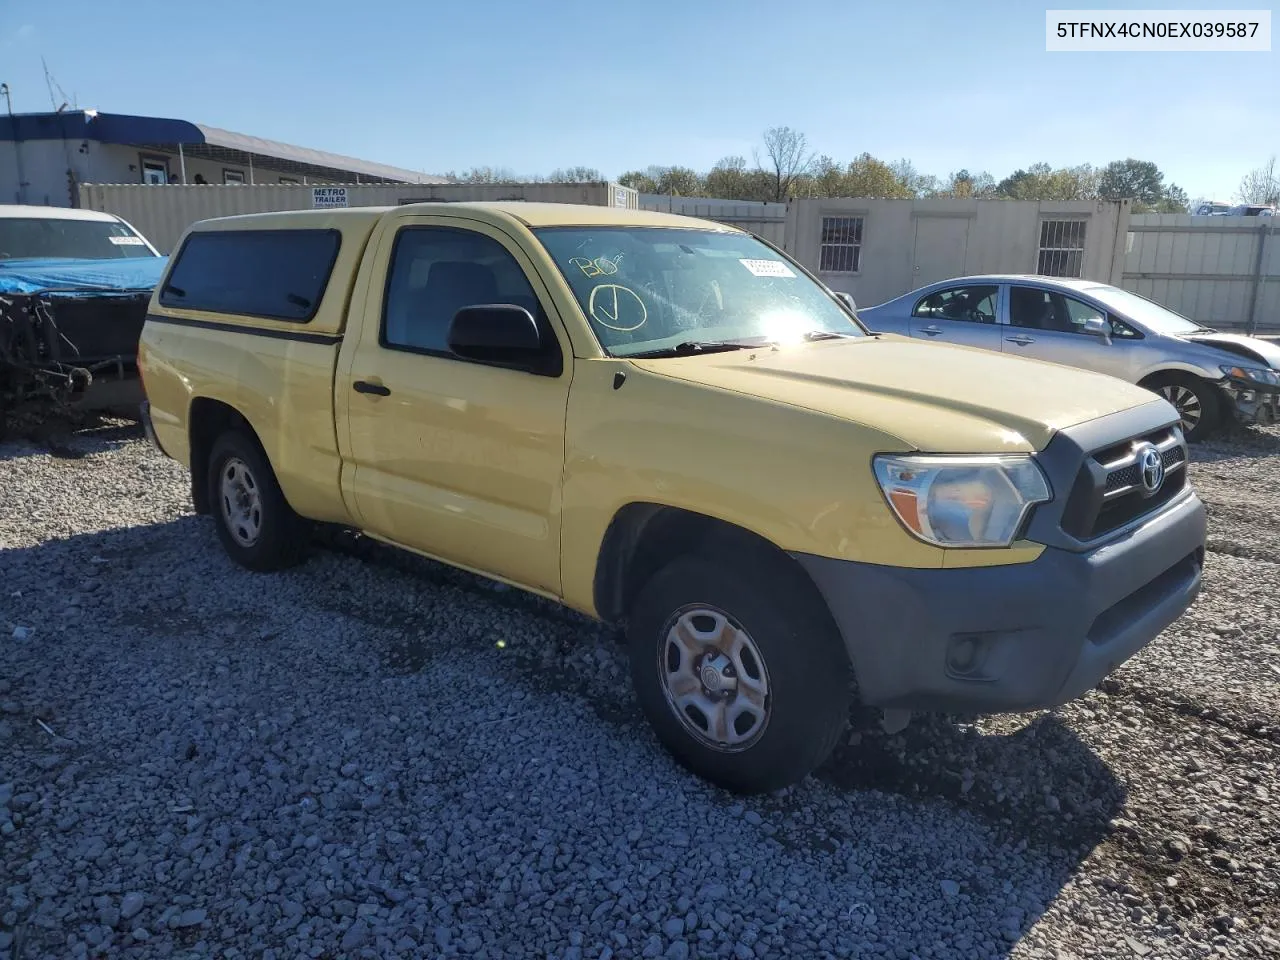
(786, 168)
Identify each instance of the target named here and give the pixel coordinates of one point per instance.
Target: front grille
(1124, 477)
(1109, 493)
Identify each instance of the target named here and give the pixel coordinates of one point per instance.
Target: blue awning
(102, 127)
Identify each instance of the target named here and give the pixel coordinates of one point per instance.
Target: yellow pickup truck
(668, 424)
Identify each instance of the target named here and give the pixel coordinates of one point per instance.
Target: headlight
(962, 501)
(1256, 374)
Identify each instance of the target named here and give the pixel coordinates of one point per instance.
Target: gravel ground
(376, 756)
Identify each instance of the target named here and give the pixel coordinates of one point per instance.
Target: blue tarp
(81, 277)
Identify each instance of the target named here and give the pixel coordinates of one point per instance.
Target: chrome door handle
(931, 331)
(1021, 341)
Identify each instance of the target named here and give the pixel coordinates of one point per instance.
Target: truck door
(458, 459)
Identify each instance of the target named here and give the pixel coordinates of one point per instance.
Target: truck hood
(1249, 348)
(937, 398)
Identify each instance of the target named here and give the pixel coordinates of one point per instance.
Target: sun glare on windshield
(651, 290)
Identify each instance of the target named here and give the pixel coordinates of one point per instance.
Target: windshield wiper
(689, 347)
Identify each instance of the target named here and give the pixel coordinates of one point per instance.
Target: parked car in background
(1208, 376)
(1253, 210)
(1212, 208)
(74, 286)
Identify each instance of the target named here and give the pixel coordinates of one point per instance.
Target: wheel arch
(643, 537)
(1174, 370)
(207, 419)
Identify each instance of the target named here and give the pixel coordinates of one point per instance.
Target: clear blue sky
(441, 86)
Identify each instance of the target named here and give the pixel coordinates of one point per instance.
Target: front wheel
(741, 673)
(1196, 400)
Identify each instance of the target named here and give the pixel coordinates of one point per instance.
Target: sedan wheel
(1197, 401)
(1185, 401)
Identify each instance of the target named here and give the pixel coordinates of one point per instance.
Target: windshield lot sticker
(616, 307)
(600, 266)
(768, 268)
(126, 241)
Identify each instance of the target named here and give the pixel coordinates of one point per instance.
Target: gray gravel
(376, 756)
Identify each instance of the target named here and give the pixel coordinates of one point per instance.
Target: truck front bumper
(1018, 637)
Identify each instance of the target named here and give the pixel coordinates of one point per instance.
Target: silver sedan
(1208, 376)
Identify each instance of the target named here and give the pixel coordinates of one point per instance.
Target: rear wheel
(742, 675)
(255, 523)
(1196, 401)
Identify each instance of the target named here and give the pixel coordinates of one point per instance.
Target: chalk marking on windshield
(608, 318)
(600, 266)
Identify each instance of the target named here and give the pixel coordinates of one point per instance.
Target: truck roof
(531, 214)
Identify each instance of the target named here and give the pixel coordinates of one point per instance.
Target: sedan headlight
(962, 501)
(1256, 374)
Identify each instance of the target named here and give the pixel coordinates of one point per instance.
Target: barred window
(841, 244)
(1061, 248)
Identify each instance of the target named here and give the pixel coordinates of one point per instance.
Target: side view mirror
(847, 300)
(495, 333)
(1098, 327)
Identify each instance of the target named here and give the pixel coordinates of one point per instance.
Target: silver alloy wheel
(241, 502)
(714, 678)
(1186, 402)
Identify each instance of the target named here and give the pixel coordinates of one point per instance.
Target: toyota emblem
(1151, 464)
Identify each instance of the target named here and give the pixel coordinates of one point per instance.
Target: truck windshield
(31, 238)
(652, 290)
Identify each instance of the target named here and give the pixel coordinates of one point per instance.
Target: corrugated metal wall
(1222, 271)
(767, 220)
(905, 244)
(163, 213)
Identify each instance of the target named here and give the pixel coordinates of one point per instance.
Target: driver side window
(968, 304)
(435, 272)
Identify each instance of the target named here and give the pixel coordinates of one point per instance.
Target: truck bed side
(203, 368)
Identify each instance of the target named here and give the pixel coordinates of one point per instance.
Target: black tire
(1196, 400)
(805, 664)
(279, 536)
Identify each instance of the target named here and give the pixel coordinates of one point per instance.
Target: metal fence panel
(1221, 271)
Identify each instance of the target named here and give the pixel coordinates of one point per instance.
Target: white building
(45, 156)
(876, 249)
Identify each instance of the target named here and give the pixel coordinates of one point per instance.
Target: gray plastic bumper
(1019, 637)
